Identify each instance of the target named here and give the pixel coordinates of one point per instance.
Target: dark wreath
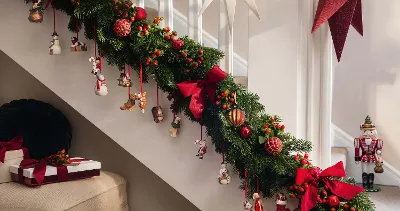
(44, 128)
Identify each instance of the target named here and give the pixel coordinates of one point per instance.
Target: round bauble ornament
(236, 117)
(35, 16)
(122, 27)
(245, 132)
(333, 201)
(141, 14)
(273, 146)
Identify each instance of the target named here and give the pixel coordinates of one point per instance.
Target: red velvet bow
(39, 169)
(314, 176)
(13, 144)
(199, 89)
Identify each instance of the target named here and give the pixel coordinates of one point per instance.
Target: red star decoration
(340, 14)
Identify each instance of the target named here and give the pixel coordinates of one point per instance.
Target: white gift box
(76, 170)
(11, 158)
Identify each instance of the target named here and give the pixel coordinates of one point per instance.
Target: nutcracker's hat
(368, 125)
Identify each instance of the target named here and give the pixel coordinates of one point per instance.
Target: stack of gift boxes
(15, 165)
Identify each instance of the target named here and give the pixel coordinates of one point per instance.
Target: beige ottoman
(106, 192)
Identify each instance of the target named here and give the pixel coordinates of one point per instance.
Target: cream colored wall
(367, 79)
(210, 23)
(146, 191)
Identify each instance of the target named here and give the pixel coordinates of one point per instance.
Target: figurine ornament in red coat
(281, 202)
(258, 206)
(368, 150)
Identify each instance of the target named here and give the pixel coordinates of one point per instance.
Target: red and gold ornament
(274, 146)
(236, 117)
(122, 27)
(245, 132)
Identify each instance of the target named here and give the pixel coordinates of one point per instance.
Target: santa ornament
(96, 65)
(258, 206)
(55, 48)
(77, 45)
(202, 148)
(281, 202)
(247, 206)
(101, 87)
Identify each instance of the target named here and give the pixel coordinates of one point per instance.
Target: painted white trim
(180, 20)
(391, 176)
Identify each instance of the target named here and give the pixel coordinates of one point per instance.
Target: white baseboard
(180, 25)
(391, 176)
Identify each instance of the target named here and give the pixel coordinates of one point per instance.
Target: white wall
(146, 191)
(366, 80)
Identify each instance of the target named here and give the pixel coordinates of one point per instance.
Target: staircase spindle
(225, 39)
(166, 10)
(195, 21)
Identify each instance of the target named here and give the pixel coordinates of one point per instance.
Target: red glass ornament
(273, 146)
(245, 132)
(333, 201)
(122, 27)
(141, 14)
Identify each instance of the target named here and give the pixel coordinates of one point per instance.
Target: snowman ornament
(55, 48)
(101, 87)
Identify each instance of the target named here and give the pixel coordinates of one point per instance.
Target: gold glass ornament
(35, 16)
(236, 117)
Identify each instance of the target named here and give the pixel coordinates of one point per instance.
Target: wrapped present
(38, 172)
(11, 153)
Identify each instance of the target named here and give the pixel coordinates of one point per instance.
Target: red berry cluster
(153, 58)
(143, 30)
(302, 160)
(157, 20)
(170, 35)
(61, 158)
(190, 61)
(226, 99)
(124, 9)
(272, 128)
(297, 191)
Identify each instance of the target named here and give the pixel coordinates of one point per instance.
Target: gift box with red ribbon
(39, 172)
(11, 153)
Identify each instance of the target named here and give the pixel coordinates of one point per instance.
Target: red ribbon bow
(13, 144)
(314, 176)
(199, 89)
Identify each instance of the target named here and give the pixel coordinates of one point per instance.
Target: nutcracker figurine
(370, 147)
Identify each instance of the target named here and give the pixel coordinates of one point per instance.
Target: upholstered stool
(106, 192)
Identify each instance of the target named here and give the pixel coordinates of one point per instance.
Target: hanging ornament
(176, 124)
(333, 201)
(273, 146)
(55, 48)
(281, 202)
(258, 206)
(124, 79)
(130, 104)
(158, 114)
(202, 145)
(36, 12)
(246, 204)
(76, 44)
(140, 14)
(340, 14)
(230, 6)
(236, 117)
(223, 177)
(95, 65)
(101, 87)
(122, 27)
(245, 132)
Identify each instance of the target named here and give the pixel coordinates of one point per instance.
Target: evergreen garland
(275, 173)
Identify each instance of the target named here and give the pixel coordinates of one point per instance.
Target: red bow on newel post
(199, 89)
(314, 176)
(13, 144)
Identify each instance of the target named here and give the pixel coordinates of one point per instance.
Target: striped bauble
(236, 117)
